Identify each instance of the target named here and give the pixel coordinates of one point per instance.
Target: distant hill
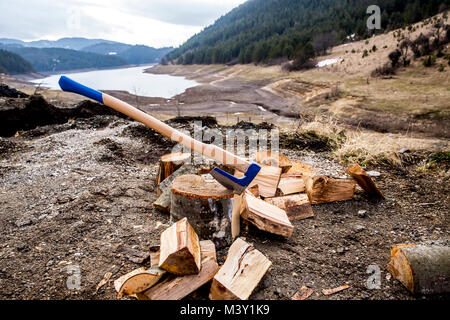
(65, 43)
(42, 55)
(12, 63)
(263, 30)
(106, 48)
(138, 54)
(57, 59)
(142, 54)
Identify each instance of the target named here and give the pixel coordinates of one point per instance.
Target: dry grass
(368, 147)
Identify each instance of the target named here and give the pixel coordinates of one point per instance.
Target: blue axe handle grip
(70, 85)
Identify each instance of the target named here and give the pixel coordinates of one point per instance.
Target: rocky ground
(76, 196)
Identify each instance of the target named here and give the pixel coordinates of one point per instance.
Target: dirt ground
(78, 196)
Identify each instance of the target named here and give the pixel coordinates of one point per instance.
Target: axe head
(238, 185)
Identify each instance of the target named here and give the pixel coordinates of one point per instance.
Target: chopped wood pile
(208, 217)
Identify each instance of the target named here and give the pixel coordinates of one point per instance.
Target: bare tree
(38, 87)
(404, 46)
(136, 95)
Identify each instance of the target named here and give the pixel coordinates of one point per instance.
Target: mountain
(114, 52)
(142, 54)
(138, 54)
(12, 63)
(65, 43)
(57, 59)
(263, 30)
(106, 48)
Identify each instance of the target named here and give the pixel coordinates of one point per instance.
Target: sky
(156, 23)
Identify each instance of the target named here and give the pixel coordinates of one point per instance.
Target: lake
(133, 80)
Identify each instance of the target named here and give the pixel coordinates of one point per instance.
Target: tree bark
(207, 204)
(423, 268)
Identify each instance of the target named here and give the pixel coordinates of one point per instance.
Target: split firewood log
(240, 274)
(322, 189)
(266, 216)
(364, 181)
(274, 159)
(177, 287)
(291, 185)
(300, 168)
(137, 281)
(267, 180)
(297, 206)
(180, 249)
(169, 163)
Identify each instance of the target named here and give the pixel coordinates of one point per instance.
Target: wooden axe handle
(209, 150)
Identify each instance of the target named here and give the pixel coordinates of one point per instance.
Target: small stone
(362, 213)
(359, 228)
(373, 173)
(78, 224)
(340, 250)
(24, 221)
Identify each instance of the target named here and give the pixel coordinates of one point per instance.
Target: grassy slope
(413, 91)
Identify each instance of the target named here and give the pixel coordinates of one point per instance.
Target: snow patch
(327, 62)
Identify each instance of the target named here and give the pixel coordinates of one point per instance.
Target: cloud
(31, 20)
(184, 12)
(151, 22)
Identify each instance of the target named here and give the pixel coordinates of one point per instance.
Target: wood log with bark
(180, 249)
(240, 274)
(206, 203)
(169, 163)
(297, 206)
(364, 181)
(322, 189)
(423, 268)
(164, 190)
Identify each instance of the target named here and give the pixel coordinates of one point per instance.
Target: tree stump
(169, 163)
(206, 203)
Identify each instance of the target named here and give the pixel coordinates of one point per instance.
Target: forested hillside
(138, 54)
(12, 63)
(263, 30)
(57, 59)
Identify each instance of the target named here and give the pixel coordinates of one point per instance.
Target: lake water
(133, 80)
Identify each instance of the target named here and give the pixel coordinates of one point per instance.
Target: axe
(238, 185)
